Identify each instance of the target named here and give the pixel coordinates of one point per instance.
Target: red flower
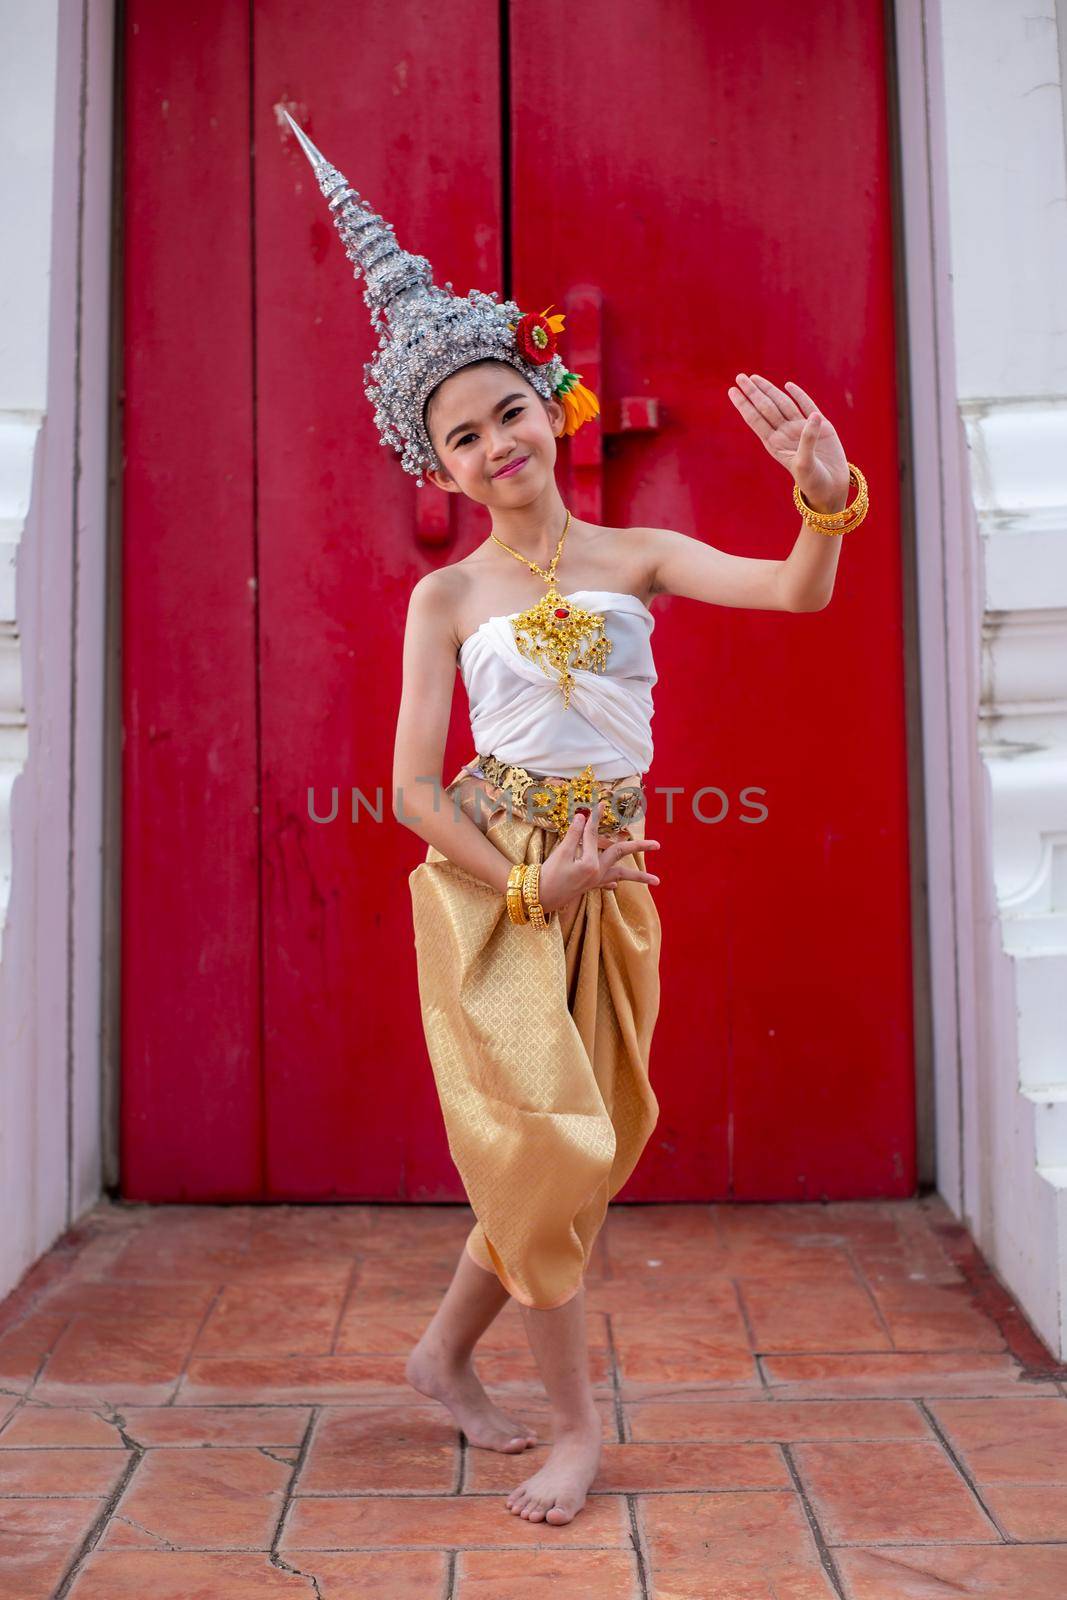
(535, 337)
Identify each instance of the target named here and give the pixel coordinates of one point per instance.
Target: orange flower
(579, 403)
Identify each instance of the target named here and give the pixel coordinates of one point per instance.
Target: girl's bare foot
(557, 1492)
(459, 1388)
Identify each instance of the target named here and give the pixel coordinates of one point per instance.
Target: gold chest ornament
(560, 636)
(556, 635)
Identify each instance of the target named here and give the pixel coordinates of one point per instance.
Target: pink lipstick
(507, 471)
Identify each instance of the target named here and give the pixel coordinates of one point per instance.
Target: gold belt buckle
(564, 797)
(557, 800)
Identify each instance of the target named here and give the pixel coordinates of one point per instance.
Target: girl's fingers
(785, 403)
(804, 401)
(755, 419)
(589, 835)
(757, 396)
(585, 828)
(575, 835)
(805, 444)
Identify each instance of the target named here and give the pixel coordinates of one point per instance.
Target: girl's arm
(421, 732)
(805, 443)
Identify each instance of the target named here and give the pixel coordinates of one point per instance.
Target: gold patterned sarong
(539, 1042)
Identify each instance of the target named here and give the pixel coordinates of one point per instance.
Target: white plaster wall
(55, 176)
(948, 601)
(985, 220)
(1007, 205)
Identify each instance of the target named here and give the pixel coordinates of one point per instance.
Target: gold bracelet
(516, 908)
(531, 895)
(835, 522)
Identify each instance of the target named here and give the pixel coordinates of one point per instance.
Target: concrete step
(1041, 1012)
(1039, 933)
(1049, 1101)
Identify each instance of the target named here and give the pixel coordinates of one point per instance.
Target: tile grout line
(519, 1547)
(39, 1371)
(451, 1573)
(274, 1555)
(750, 1333)
(201, 1325)
(861, 1278)
(826, 1555)
(95, 1533)
(624, 1437)
(346, 1298)
(621, 1421)
(481, 1494)
(639, 1549)
(942, 1439)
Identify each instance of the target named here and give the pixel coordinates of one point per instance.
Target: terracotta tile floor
(799, 1402)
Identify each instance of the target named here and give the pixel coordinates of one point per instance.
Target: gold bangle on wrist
(835, 522)
(531, 895)
(516, 907)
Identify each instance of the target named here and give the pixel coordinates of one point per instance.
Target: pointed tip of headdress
(314, 155)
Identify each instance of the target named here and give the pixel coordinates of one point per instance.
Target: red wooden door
(722, 185)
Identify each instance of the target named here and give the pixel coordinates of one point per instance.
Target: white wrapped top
(517, 710)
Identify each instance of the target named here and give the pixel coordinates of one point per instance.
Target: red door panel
(722, 176)
(351, 1107)
(191, 1125)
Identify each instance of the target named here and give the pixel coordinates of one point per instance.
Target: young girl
(536, 932)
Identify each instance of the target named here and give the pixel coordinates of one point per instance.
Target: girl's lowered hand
(578, 861)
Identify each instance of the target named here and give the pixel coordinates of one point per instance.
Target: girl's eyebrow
(500, 403)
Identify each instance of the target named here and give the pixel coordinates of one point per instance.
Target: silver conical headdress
(432, 332)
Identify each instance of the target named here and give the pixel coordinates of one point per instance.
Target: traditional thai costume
(540, 1040)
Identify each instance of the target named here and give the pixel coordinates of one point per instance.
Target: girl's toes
(561, 1512)
(513, 1446)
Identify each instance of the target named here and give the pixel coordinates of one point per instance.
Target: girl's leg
(440, 1364)
(557, 1492)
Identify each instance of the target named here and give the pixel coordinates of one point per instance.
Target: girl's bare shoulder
(437, 599)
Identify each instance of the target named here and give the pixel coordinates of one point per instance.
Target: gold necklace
(555, 634)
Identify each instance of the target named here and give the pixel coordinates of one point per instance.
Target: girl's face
(485, 417)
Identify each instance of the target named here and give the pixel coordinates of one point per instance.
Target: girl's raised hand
(579, 863)
(797, 435)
